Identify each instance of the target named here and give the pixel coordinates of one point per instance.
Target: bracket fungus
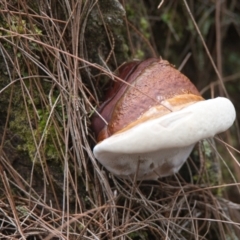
(153, 119)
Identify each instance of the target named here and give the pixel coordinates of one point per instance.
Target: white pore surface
(159, 147)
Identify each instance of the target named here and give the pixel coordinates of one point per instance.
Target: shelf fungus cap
(154, 121)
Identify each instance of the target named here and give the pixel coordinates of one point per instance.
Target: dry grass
(51, 81)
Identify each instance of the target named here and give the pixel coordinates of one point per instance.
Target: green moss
(34, 129)
(145, 27)
(212, 165)
(139, 54)
(141, 235)
(28, 125)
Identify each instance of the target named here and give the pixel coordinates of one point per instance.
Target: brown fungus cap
(153, 81)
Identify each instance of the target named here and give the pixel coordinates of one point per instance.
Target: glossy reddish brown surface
(152, 81)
